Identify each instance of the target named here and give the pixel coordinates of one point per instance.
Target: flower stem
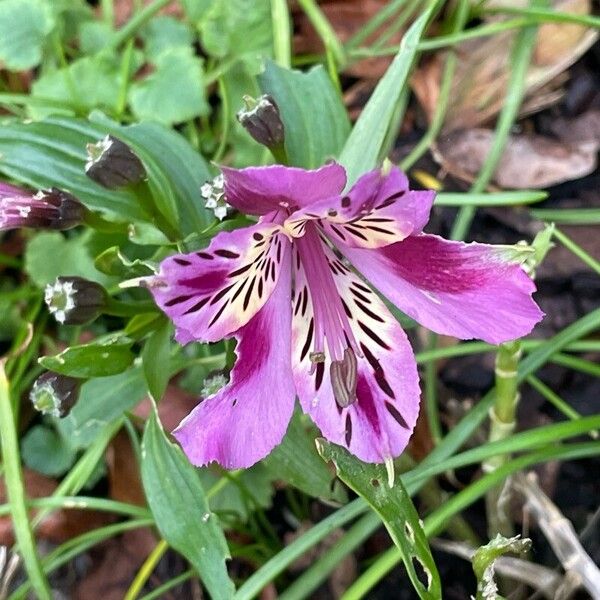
(502, 426)
(13, 478)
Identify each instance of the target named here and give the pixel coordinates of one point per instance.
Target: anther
(343, 375)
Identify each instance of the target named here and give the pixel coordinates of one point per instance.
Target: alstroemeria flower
(47, 209)
(294, 291)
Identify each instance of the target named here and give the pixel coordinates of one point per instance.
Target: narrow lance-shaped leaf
(155, 359)
(179, 505)
(397, 511)
(91, 360)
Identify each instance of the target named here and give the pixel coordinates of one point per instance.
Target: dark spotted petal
(246, 419)
(379, 210)
(212, 293)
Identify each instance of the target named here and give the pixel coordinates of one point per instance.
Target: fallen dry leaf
(529, 161)
(124, 479)
(484, 65)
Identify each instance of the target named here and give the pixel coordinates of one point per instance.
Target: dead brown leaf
(484, 65)
(529, 161)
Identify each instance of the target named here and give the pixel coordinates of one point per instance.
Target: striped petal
(212, 293)
(379, 210)
(464, 290)
(247, 418)
(379, 423)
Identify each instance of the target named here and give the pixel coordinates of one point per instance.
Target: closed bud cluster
(262, 121)
(75, 300)
(54, 394)
(113, 164)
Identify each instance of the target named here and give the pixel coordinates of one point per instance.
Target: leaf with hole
(397, 511)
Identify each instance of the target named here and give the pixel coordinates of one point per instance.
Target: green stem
(119, 308)
(502, 426)
(15, 488)
(146, 570)
(324, 29)
(282, 43)
(135, 23)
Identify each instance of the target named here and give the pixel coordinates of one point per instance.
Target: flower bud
(48, 209)
(113, 164)
(54, 394)
(74, 300)
(262, 121)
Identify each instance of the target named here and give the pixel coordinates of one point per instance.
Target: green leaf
(88, 83)
(173, 92)
(93, 36)
(112, 262)
(69, 257)
(25, 25)
(52, 153)
(195, 9)
(175, 171)
(101, 401)
(485, 557)
(397, 511)
(237, 28)
(45, 451)
(179, 505)
(315, 120)
(252, 489)
(90, 360)
(362, 150)
(155, 359)
(297, 461)
(163, 33)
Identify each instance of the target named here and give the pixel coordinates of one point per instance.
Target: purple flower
(308, 325)
(48, 209)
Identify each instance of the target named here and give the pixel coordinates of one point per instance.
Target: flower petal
(212, 293)
(379, 210)
(464, 290)
(247, 418)
(259, 190)
(380, 422)
(10, 191)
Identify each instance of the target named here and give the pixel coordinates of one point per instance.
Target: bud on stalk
(261, 119)
(75, 300)
(113, 164)
(54, 394)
